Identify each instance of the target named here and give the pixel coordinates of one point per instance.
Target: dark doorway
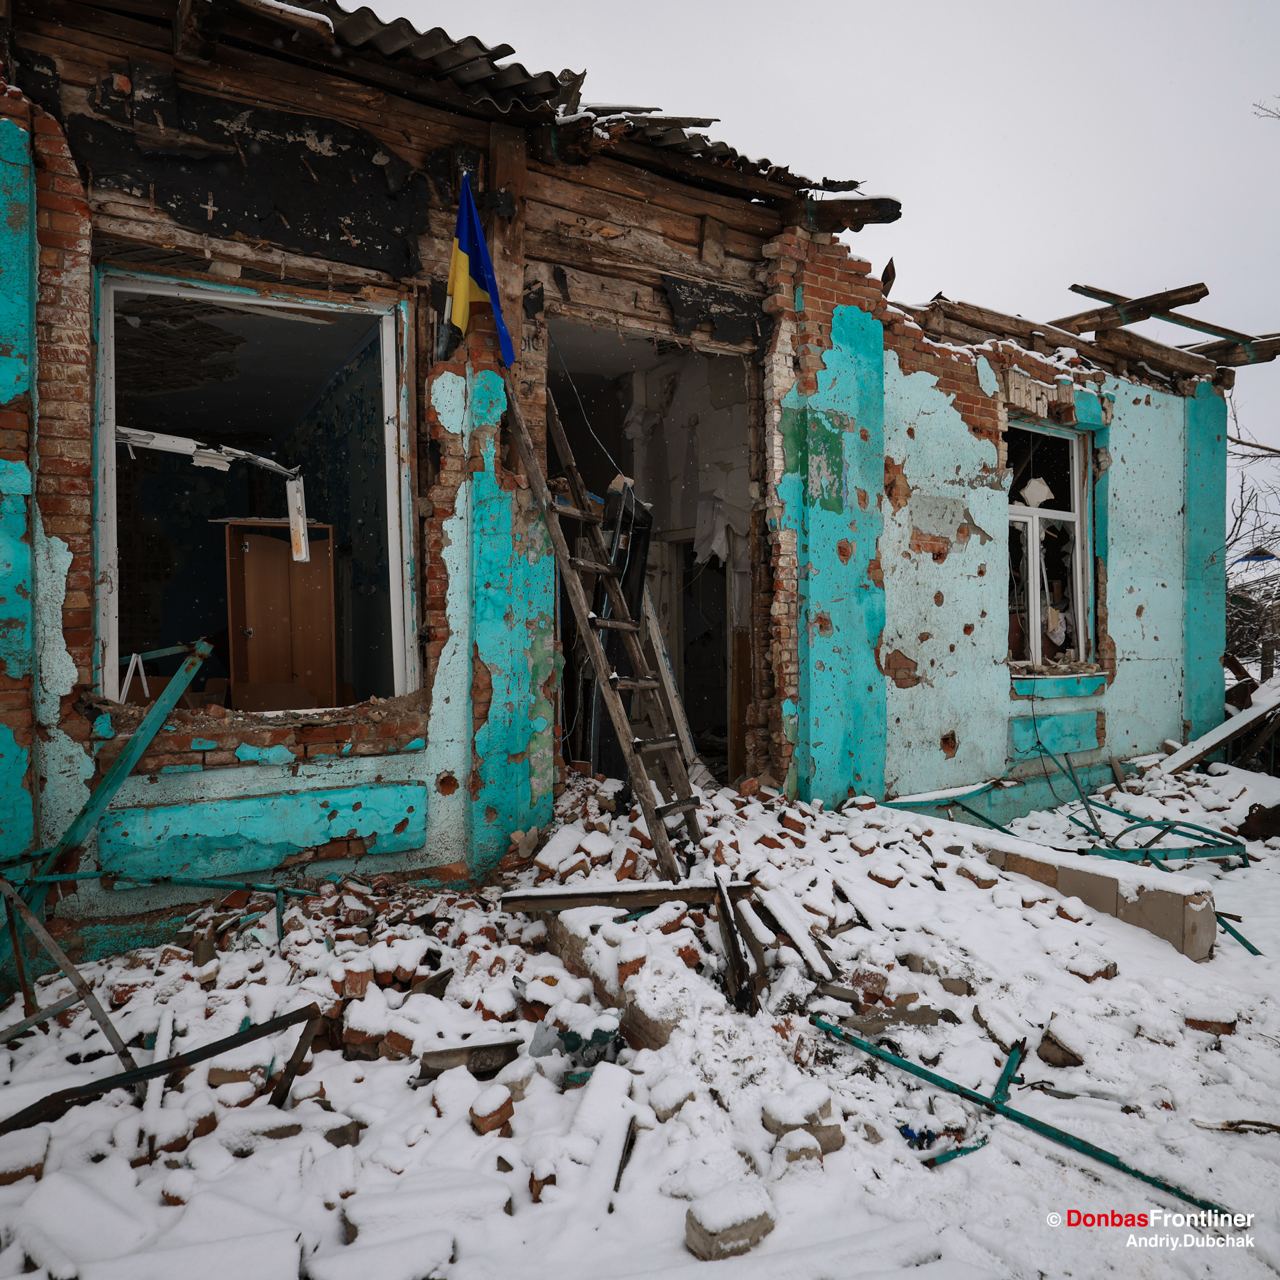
(675, 422)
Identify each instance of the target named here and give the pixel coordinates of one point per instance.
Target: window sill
(1078, 685)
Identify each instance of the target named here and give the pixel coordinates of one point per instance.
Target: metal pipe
(196, 882)
(1054, 1134)
(1237, 935)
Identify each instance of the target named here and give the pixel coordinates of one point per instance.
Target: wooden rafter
(1131, 310)
(1230, 348)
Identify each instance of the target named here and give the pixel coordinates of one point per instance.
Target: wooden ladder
(663, 748)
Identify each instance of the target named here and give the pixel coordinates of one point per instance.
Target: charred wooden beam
(234, 172)
(734, 316)
(1131, 310)
(849, 214)
(192, 40)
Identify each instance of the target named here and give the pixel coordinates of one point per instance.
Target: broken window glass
(1042, 470)
(1047, 554)
(1058, 605)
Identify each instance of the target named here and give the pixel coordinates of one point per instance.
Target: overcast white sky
(1105, 142)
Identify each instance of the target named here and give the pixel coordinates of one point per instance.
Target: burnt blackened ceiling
(306, 184)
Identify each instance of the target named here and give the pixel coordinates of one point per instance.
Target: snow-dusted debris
(572, 1094)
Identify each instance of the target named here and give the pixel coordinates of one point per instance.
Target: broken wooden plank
(280, 1094)
(61, 959)
(1131, 310)
(741, 990)
(625, 897)
(54, 1105)
(1266, 703)
(483, 1059)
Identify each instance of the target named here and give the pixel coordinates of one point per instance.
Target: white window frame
(1031, 518)
(112, 286)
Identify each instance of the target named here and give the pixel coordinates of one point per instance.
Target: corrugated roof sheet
(479, 72)
(468, 64)
(680, 134)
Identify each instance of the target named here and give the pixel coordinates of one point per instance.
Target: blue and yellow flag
(471, 273)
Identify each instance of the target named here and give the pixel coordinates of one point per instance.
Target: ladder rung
(652, 746)
(614, 624)
(677, 806)
(642, 684)
(593, 566)
(576, 513)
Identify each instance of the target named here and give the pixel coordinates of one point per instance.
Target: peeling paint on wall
(250, 833)
(833, 446)
(946, 637)
(63, 765)
(513, 582)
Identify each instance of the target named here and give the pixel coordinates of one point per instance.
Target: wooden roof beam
(1116, 342)
(1256, 351)
(1187, 322)
(1131, 310)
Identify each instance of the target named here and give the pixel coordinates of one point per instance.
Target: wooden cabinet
(280, 617)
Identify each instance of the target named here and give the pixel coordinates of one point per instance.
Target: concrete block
(1045, 872)
(1158, 911)
(1199, 926)
(728, 1222)
(1095, 889)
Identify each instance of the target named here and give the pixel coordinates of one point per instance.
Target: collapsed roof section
(1111, 344)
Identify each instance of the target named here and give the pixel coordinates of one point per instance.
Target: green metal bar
(969, 793)
(1237, 935)
(1160, 855)
(935, 1162)
(151, 654)
(1054, 1134)
(134, 749)
(1007, 1077)
(981, 817)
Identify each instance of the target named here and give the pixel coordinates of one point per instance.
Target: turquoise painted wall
(513, 585)
(1158, 506)
(1205, 578)
(830, 491)
(949, 616)
(17, 382)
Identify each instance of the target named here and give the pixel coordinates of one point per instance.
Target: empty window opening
(201, 540)
(675, 422)
(1047, 546)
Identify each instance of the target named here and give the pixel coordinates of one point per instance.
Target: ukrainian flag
(471, 274)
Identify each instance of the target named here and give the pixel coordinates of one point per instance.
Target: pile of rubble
(586, 1068)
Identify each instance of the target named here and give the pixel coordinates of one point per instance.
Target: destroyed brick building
(894, 549)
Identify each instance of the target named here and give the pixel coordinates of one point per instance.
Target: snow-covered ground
(363, 1176)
